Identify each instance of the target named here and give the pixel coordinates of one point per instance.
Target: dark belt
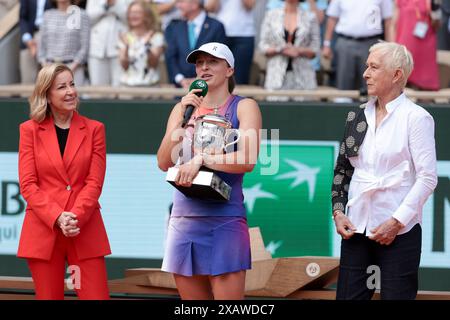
(377, 36)
(59, 61)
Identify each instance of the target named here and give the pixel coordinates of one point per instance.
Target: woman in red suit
(62, 162)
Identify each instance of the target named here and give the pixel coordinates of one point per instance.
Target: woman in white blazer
(108, 19)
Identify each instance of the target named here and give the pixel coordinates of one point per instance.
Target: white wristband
(326, 43)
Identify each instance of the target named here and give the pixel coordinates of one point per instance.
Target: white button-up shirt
(360, 18)
(198, 21)
(395, 170)
(40, 8)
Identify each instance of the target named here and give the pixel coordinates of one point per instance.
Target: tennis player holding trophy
(206, 155)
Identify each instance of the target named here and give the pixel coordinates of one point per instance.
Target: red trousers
(90, 277)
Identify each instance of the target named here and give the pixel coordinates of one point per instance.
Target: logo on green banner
(292, 205)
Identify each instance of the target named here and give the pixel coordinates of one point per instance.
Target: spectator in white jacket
(108, 21)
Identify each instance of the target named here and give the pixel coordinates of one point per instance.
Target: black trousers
(364, 263)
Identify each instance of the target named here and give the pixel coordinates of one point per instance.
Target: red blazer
(51, 184)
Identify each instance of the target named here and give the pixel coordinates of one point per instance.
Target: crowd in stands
(145, 42)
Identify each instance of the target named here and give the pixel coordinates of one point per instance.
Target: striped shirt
(64, 36)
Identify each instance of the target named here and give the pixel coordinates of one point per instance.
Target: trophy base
(206, 185)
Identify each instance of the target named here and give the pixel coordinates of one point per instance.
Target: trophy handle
(230, 131)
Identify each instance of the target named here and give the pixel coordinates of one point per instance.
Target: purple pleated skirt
(207, 246)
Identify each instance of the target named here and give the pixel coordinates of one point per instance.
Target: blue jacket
(27, 15)
(176, 35)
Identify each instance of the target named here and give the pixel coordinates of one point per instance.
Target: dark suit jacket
(176, 35)
(27, 15)
(355, 132)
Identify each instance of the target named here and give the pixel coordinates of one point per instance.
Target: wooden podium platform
(270, 278)
(294, 277)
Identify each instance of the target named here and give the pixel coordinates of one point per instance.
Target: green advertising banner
(291, 203)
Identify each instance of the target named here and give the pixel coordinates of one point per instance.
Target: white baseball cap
(216, 49)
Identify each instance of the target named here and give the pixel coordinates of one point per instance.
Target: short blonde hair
(396, 56)
(39, 108)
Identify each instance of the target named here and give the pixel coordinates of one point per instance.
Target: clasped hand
(68, 223)
(291, 51)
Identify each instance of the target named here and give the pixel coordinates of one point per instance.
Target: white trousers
(105, 71)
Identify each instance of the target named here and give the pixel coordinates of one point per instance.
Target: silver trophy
(212, 135)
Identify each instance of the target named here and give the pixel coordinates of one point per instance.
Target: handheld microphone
(197, 84)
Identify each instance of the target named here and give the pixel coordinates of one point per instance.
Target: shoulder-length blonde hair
(39, 108)
(151, 18)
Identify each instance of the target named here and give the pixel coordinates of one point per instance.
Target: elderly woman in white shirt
(385, 171)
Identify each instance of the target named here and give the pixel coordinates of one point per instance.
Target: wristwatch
(336, 212)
